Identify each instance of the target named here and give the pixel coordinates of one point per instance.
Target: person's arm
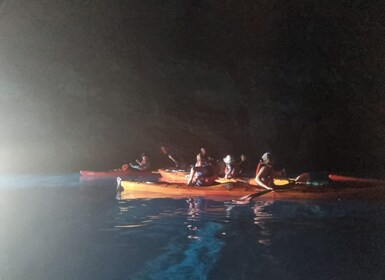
(228, 171)
(199, 160)
(258, 178)
(145, 165)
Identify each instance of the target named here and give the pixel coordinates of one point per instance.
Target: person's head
(267, 158)
(144, 156)
(243, 157)
(228, 159)
(203, 151)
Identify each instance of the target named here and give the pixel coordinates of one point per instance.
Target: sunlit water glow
(57, 227)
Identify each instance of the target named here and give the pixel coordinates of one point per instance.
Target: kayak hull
(131, 174)
(229, 191)
(112, 173)
(181, 177)
(143, 190)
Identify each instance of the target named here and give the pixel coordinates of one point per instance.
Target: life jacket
(267, 174)
(206, 181)
(206, 176)
(230, 170)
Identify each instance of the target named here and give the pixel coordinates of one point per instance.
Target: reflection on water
(262, 215)
(194, 208)
(8, 182)
(184, 243)
(55, 229)
(261, 212)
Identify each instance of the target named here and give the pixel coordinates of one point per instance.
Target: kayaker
(144, 164)
(229, 168)
(201, 171)
(202, 158)
(264, 173)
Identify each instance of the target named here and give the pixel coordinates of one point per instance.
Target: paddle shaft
(165, 151)
(254, 195)
(290, 182)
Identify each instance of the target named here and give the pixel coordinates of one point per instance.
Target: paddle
(278, 182)
(125, 167)
(164, 151)
(254, 195)
(225, 181)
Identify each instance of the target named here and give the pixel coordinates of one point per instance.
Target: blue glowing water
(57, 227)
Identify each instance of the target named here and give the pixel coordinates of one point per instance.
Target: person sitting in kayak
(202, 158)
(202, 172)
(230, 167)
(144, 164)
(265, 173)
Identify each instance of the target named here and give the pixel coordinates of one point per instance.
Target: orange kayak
(355, 180)
(235, 190)
(180, 177)
(119, 173)
(174, 176)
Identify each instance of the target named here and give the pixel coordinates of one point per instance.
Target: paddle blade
(164, 150)
(225, 181)
(125, 167)
(277, 182)
(282, 182)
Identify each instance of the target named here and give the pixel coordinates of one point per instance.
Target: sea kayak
(355, 180)
(174, 176)
(233, 190)
(181, 177)
(132, 174)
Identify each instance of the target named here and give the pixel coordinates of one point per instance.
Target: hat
(267, 156)
(228, 159)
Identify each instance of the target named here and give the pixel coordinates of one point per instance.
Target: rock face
(91, 84)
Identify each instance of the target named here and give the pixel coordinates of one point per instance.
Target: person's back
(263, 173)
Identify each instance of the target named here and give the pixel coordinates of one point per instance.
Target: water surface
(57, 227)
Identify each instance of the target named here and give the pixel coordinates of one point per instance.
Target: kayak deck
(174, 176)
